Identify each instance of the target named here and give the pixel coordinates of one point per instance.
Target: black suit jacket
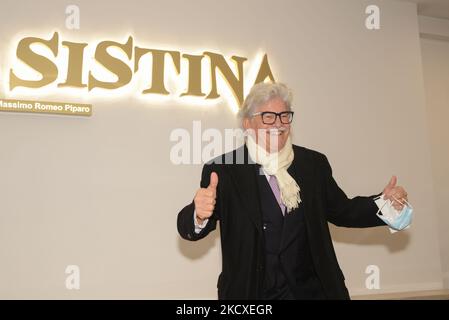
(242, 239)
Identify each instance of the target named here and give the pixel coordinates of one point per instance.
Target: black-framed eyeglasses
(269, 117)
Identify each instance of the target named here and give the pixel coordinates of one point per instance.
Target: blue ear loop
(403, 220)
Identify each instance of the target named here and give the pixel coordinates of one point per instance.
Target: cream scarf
(277, 164)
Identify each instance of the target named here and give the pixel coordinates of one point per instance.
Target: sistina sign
(76, 61)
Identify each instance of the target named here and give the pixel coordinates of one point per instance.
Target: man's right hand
(205, 199)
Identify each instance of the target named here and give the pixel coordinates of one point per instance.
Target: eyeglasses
(269, 117)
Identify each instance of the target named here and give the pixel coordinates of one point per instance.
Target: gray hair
(260, 94)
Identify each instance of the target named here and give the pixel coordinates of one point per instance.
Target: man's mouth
(276, 131)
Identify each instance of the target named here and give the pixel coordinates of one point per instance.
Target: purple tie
(277, 193)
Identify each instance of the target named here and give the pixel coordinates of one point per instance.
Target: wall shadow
(371, 236)
(197, 249)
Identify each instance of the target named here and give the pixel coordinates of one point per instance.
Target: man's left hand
(396, 194)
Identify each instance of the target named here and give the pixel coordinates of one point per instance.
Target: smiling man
(273, 208)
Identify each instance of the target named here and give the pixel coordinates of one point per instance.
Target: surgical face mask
(396, 220)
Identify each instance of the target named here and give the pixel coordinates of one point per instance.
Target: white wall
(435, 55)
(102, 193)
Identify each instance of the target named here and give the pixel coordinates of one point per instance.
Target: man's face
(272, 136)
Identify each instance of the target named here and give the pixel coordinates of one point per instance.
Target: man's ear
(246, 124)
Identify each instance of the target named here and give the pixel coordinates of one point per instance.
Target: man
(273, 202)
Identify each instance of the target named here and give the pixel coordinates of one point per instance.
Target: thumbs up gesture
(396, 194)
(205, 199)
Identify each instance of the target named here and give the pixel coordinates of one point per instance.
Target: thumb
(213, 181)
(392, 182)
(390, 186)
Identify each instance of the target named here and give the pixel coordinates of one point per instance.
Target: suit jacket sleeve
(358, 212)
(186, 226)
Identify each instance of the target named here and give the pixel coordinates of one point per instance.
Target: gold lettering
(194, 85)
(44, 66)
(264, 71)
(158, 69)
(122, 68)
(74, 65)
(234, 82)
(113, 64)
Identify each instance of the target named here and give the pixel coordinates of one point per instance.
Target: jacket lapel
(244, 180)
(300, 172)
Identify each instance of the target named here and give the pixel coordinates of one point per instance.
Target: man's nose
(277, 121)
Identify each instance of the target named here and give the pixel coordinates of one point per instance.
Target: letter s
(39, 63)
